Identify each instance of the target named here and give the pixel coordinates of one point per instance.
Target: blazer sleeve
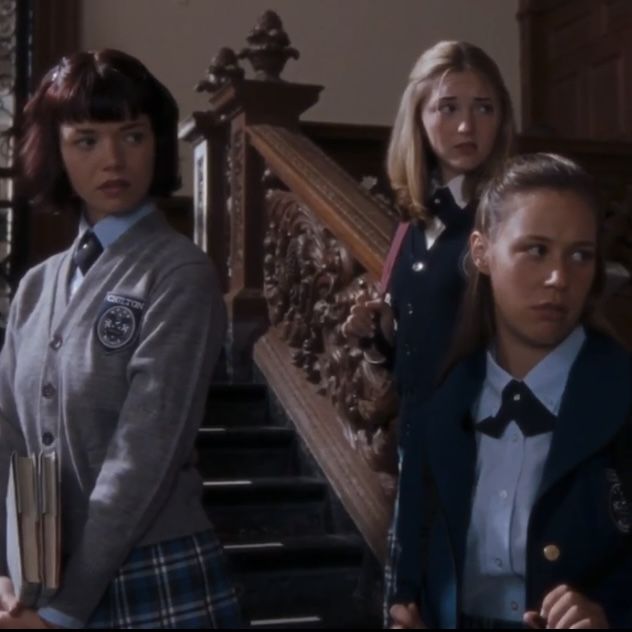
(410, 518)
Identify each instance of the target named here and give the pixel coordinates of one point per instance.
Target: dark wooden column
(56, 32)
(210, 221)
(234, 105)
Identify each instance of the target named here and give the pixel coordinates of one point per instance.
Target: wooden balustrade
(297, 239)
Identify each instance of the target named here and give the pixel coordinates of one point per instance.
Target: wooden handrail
(353, 215)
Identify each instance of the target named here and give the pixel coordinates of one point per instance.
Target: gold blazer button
(551, 552)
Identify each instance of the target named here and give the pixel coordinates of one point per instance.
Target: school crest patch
(118, 322)
(620, 510)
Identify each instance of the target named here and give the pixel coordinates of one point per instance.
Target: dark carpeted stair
(296, 559)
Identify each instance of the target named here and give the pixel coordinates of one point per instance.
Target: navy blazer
(577, 507)
(426, 302)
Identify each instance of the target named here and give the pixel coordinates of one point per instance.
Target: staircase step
(275, 514)
(288, 623)
(266, 507)
(246, 452)
(236, 405)
(299, 575)
(286, 553)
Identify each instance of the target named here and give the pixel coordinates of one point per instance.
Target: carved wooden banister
(353, 215)
(296, 240)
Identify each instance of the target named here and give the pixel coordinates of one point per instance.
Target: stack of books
(34, 526)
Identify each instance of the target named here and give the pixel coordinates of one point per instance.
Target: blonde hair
(409, 154)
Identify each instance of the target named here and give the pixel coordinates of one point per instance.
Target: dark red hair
(103, 86)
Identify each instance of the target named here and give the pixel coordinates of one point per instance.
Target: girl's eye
(134, 138)
(536, 250)
(447, 108)
(486, 108)
(86, 142)
(582, 256)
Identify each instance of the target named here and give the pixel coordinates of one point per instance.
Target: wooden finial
(268, 48)
(224, 68)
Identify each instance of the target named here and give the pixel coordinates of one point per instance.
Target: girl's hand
(361, 321)
(8, 601)
(564, 609)
(26, 619)
(406, 617)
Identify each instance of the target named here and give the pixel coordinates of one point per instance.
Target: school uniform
(505, 524)
(111, 371)
(426, 289)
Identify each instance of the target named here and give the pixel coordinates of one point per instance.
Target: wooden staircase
(296, 558)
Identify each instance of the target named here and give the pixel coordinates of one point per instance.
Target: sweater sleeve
(169, 372)
(11, 437)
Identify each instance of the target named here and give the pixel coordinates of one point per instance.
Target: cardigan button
(48, 391)
(418, 266)
(56, 342)
(551, 552)
(47, 438)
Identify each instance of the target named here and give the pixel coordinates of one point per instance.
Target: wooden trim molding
(317, 422)
(356, 217)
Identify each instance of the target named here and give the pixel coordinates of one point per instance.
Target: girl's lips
(114, 187)
(550, 311)
(114, 184)
(467, 146)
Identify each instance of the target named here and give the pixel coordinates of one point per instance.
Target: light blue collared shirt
(107, 231)
(508, 474)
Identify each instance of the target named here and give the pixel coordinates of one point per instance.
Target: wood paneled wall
(576, 65)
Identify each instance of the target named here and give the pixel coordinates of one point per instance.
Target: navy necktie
(519, 404)
(88, 251)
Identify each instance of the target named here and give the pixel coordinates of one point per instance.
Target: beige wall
(360, 50)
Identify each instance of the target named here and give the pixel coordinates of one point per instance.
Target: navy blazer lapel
(451, 446)
(595, 404)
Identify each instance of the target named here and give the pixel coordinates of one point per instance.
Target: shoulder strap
(391, 257)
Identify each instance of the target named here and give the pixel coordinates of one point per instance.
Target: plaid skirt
(389, 583)
(180, 583)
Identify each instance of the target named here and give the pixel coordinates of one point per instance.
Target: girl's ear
(479, 250)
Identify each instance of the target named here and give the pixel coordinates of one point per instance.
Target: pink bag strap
(391, 257)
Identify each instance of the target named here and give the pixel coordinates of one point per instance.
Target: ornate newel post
(228, 172)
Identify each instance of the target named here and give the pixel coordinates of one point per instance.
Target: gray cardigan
(115, 379)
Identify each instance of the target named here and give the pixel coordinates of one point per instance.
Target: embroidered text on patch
(620, 510)
(118, 321)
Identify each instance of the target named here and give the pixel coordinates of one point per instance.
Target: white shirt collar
(434, 226)
(546, 380)
(456, 187)
(111, 227)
